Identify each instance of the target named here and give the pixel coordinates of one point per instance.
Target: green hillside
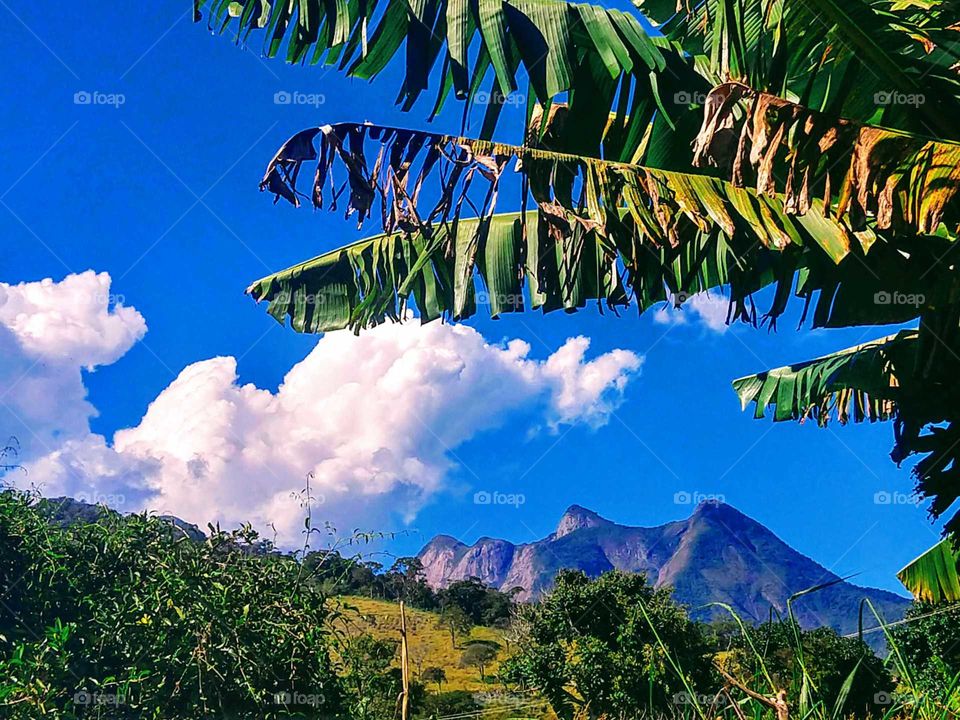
(429, 642)
(430, 646)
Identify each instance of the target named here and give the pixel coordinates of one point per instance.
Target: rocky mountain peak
(578, 518)
(717, 555)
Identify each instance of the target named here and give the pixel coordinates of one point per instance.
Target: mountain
(66, 511)
(718, 554)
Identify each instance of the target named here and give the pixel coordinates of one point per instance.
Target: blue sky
(161, 193)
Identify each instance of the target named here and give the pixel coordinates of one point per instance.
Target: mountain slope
(717, 555)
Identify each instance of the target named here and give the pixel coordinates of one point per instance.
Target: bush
(458, 702)
(783, 654)
(929, 643)
(127, 613)
(595, 637)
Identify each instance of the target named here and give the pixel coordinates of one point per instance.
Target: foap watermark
(487, 98)
(95, 497)
(684, 497)
(108, 299)
(882, 698)
(689, 98)
(83, 697)
(884, 297)
(96, 97)
(503, 299)
(485, 497)
(298, 698)
(884, 497)
(688, 698)
(285, 296)
(501, 699)
(886, 98)
(295, 97)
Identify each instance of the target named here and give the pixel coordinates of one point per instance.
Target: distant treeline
(405, 580)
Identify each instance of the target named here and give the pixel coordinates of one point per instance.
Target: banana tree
(810, 147)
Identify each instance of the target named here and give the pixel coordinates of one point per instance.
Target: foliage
(134, 619)
(825, 164)
(818, 662)
(457, 703)
(610, 644)
(405, 580)
(478, 655)
(434, 675)
(935, 575)
(483, 605)
(128, 616)
(929, 643)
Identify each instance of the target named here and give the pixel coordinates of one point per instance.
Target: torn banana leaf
(896, 378)
(861, 383)
(598, 231)
(457, 43)
(902, 182)
(846, 58)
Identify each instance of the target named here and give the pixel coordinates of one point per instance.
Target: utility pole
(404, 665)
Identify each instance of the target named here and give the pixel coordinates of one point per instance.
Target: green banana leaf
(933, 577)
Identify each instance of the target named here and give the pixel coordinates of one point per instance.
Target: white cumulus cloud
(374, 419)
(49, 333)
(707, 309)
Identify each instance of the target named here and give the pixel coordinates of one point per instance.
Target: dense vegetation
(403, 580)
(129, 617)
(608, 640)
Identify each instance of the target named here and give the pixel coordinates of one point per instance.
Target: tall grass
(760, 697)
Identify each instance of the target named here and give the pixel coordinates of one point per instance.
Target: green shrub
(609, 644)
(929, 642)
(128, 614)
(458, 702)
(781, 654)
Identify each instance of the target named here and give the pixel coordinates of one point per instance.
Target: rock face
(717, 555)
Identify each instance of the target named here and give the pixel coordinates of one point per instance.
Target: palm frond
(933, 577)
(895, 179)
(862, 383)
(482, 46)
(417, 182)
(835, 56)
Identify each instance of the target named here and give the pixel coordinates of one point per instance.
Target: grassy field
(430, 646)
(429, 643)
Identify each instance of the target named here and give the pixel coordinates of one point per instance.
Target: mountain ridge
(717, 555)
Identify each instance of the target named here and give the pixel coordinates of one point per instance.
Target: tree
(459, 704)
(366, 670)
(606, 647)
(478, 656)
(483, 605)
(929, 643)
(406, 582)
(455, 621)
(435, 675)
(818, 662)
(824, 165)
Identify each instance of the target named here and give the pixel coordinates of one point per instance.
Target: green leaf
(933, 577)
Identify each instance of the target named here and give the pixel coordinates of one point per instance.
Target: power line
(485, 711)
(906, 621)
